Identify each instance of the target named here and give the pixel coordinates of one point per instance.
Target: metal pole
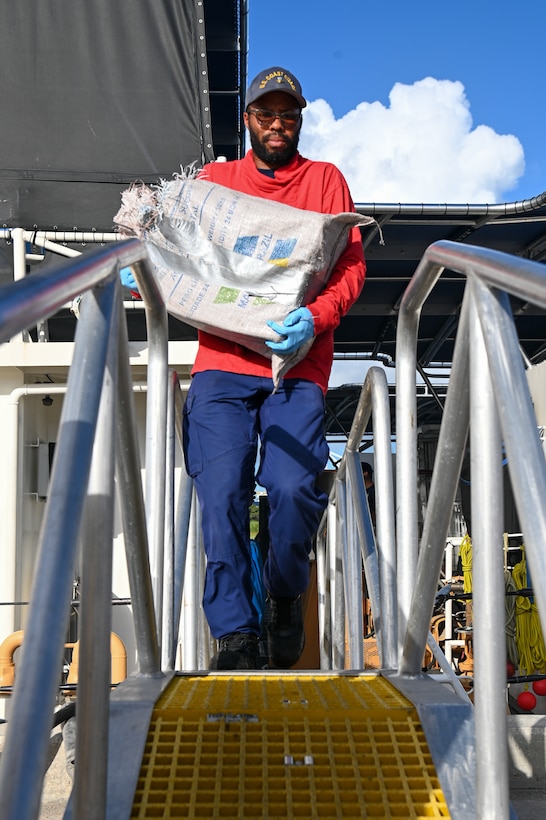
(322, 595)
(337, 596)
(156, 429)
(19, 265)
(526, 462)
(446, 473)
(352, 558)
(23, 764)
(204, 642)
(488, 582)
(24, 303)
(341, 550)
(374, 399)
(416, 293)
(182, 530)
(133, 515)
(168, 635)
(385, 526)
(94, 679)
(189, 602)
(182, 522)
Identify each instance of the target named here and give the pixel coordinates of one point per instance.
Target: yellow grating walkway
(283, 746)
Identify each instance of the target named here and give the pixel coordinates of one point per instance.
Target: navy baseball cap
(274, 79)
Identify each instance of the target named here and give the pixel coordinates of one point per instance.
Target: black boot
(238, 650)
(286, 636)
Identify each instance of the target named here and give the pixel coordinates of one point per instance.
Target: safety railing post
(406, 436)
(445, 477)
(156, 431)
(182, 534)
(23, 763)
(189, 621)
(168, 624)
(134, 518)
(352, 563)
(323, 595)
(489, 640)
(526, 461)
(337, 594)
(385, 523)
(94, 680)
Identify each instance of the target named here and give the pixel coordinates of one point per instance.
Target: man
(231, 404)
(367, 473)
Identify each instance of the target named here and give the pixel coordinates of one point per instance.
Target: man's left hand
(298, 327)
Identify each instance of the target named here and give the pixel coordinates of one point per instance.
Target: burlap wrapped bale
(227, 262)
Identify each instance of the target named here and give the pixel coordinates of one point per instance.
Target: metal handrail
(488, 388)
(80, 499)
(488, 395)
(346, 537)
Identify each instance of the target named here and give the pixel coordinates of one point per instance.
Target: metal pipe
(526, 462)
(19, 262)
(134, 518)
(156, 433)
(522, 277)
(445, 478)
(204, 641)
(19, 266)
(24, 303)
(352, 562)
(75, 237)
(444, 665)
(182, 521)
(22, 765)
(89, 794)
(385, 525)
(341, 553)
(374, 399)
(488, 580)
(412, 301)
(337, 596)
(322, 597)
(190, 598)
(168, 638)
(424, 209)
(182, 531)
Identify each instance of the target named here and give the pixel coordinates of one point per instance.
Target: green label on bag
(226, 296)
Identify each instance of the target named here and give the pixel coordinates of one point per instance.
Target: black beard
(275, 159)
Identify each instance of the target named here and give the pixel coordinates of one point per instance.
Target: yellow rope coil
(465, 551)
(529, 638)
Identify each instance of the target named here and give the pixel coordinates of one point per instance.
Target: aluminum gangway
(341, 740)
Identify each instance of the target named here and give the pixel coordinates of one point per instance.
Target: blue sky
(424, 102)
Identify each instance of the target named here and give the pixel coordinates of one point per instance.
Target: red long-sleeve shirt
(312, 186)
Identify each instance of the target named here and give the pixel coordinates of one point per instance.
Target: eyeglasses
(266, 118)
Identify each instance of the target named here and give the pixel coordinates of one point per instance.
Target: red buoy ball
(510, 669)
(539, 687)
(526, 701)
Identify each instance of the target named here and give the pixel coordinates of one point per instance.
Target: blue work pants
(226, 416)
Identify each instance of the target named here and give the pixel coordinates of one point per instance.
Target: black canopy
(97, 94)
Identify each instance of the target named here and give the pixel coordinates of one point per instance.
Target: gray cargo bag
(227, 262)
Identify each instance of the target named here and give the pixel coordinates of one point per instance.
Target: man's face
(274, 144)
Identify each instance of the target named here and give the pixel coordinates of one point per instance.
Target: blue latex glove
(128, 280)
(298, 327)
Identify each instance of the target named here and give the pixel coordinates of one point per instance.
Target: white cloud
(422, 148)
